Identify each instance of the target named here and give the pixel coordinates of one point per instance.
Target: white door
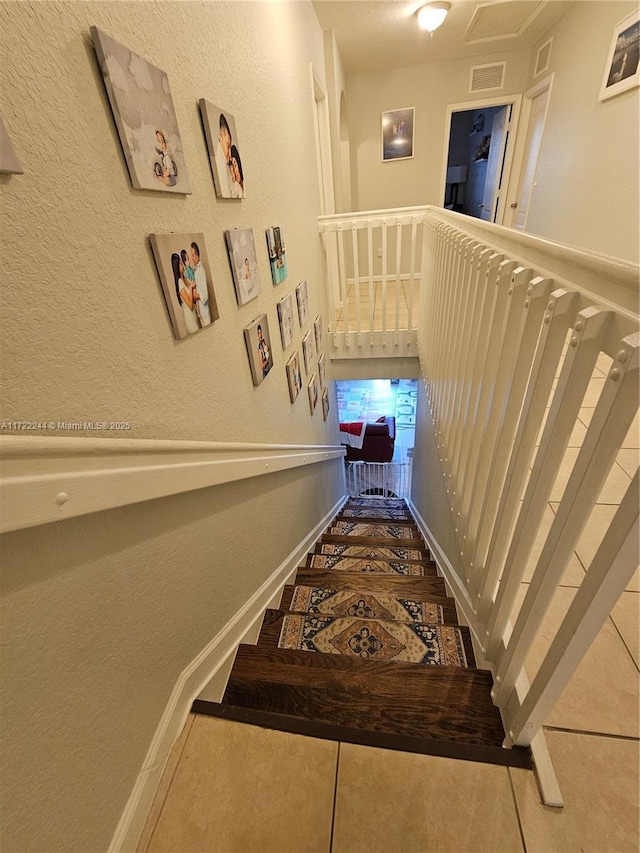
(530, 158)
(495, 164)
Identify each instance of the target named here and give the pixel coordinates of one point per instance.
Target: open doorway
(479, 155)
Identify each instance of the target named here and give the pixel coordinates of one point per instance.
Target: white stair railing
(512, 332)
(373, 266)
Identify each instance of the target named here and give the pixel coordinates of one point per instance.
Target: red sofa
(378, 444)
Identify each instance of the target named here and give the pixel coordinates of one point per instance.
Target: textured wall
(430, 88)
(586, 191)
(101, 614)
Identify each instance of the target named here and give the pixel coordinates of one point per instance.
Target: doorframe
(522, 133)
(516, 103)
(321, 123)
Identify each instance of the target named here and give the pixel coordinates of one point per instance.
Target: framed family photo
(302, 298)
(145, 118)
(258, 341)
(317, 329)
(277, 254)
(325, 404)
(244, 264)
(224, 155)
(621, 71)
(322, 371)
(186, 281)
(294, 376)
(307, 351)
(397, 134)
(312, 388)
(286, 320)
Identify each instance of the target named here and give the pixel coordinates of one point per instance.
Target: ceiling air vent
(542, 59)
(487, 77)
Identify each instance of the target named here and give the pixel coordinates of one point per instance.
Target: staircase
(361, 602)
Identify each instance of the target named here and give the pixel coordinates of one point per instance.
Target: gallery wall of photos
(148, 130)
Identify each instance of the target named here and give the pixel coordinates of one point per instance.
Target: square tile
(602, 694)
(598, 777)
(614, 487)
(628, 459)
(574, 573)
(239, 788)
(626, 617)
(396, 802)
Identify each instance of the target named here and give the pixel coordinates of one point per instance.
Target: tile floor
(375, 312)
(230, 788)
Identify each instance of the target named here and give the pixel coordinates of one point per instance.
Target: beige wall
(586, 191)
(430, 88)
(101, 614)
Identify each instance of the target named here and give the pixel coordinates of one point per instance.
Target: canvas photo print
(307, 351)
(224, 155)
(622, 69)
(145, 118)
(244, 264)
(322, 371)
(294, 376)
(325, 404)
(286, 320)
(312, 388)
(277, 254)
(302, 298)
(258, 343)
(317, 330)
(186, 281)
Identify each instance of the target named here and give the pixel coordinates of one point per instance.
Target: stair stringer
(543, 766)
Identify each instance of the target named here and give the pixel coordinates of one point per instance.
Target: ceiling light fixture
(432, 15)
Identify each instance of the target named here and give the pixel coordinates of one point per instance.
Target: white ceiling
(378, 34)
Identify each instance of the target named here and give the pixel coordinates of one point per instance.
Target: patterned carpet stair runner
(366, 648)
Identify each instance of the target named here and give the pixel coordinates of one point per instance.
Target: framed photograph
(317, 330)
(302, 298)
(244, 264)
(143, 111)
(621, 71)
(294, 376)
(325, 404)
(322, 371)
(9, 162)
(277, 254)
(286, 320)
(307, 351)
(186, 281)
(258, 343)
(312, 388)
(222, 145)
(397, 134)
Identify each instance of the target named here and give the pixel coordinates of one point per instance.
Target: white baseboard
(204, 677)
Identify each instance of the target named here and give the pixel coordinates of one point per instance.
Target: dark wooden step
(426, 709)
(367, 565)
(371, 516)
(449, 614)
(272, 625)
(374, 529)
(408, 585)
(420, 555)
(378, 503)
(374, 541)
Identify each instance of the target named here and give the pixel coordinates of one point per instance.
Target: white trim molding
(212, 663)
(44, 479)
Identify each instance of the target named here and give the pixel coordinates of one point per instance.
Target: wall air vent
(542, 58)
(484, 78)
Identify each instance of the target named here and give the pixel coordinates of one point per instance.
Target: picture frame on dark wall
(294, 376)
(224, 155)
(286, 320)
(244, 264)
(277, 254)
(258, 341)
(144, 115)
(397, 134)
(307, 351)
(302, 299)
(9, 163)
(186, 280)
(622, 71)
(312, 388)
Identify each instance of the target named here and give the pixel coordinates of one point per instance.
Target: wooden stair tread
(374, 541)
(374, 554)
(388, 584)
(437, 710)
(448, 607)
(404, 519)
(272, 625)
